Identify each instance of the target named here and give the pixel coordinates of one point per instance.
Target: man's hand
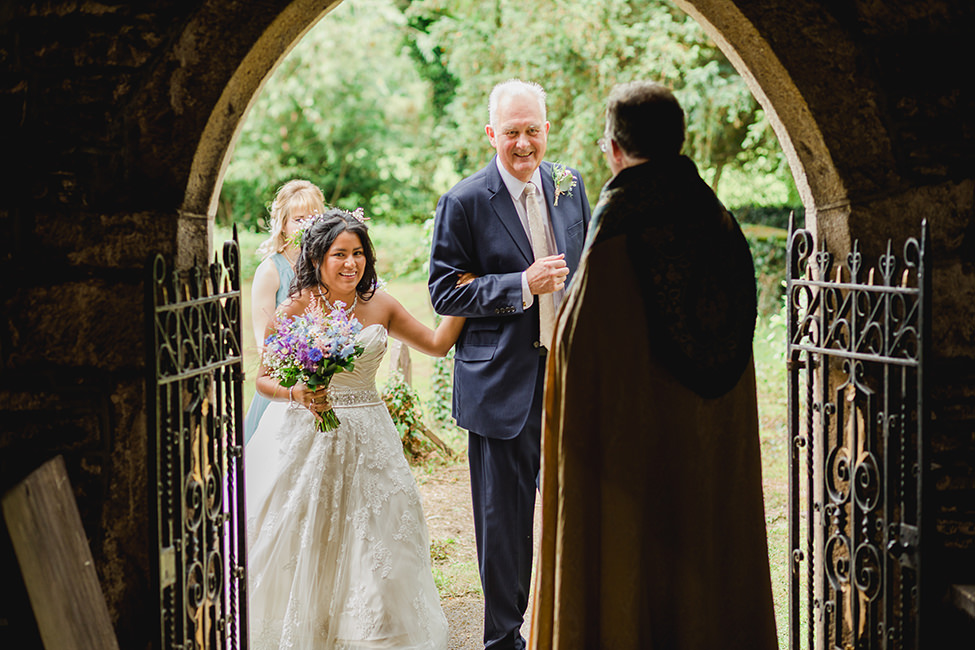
(547, 274)
(465, 278)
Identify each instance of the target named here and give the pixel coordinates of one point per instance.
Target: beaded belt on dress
(354, 397)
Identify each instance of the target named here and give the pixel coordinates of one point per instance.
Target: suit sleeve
(453, 252)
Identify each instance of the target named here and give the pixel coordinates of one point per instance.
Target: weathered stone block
(95, 324)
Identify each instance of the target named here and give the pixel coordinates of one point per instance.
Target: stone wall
(77, 239)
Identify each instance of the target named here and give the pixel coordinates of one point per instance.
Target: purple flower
(298, 345)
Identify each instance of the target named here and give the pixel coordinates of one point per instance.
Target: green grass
(453, 578)
(770, 372)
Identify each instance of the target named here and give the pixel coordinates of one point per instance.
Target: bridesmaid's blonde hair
(294, 197)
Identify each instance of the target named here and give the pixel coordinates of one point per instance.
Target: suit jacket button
(536, 344)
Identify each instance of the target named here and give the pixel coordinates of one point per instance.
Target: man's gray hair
(513, 87)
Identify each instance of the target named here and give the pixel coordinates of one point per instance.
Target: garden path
(446, 492)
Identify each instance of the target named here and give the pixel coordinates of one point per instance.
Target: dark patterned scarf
(693, 266)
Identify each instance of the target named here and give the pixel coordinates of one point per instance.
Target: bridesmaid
(294, 201)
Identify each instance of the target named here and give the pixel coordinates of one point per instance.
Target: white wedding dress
(338, 549)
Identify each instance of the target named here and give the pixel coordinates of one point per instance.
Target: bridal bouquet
(310, 348)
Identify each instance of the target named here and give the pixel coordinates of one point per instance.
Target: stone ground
(446, 495)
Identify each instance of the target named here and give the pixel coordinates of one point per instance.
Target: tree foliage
(384, 102)
(347, 110)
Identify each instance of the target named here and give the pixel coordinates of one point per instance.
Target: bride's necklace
(331, 307)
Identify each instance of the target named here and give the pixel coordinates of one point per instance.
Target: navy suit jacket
(477, 230)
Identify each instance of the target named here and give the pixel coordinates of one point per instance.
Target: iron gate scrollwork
(196, 453)
(856, 340)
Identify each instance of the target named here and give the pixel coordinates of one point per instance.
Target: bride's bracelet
(291, 394)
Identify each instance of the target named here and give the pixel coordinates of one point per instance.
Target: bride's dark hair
(316, 241)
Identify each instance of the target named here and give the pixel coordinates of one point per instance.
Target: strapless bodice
(359, 384)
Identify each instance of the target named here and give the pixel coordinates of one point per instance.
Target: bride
(339, 554)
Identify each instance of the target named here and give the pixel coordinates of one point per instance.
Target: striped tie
(546, 302)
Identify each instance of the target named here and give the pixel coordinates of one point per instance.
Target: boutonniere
(564, 181)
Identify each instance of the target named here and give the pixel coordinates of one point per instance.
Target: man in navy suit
(522, 255)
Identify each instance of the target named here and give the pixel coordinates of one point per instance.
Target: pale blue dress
(286, 274)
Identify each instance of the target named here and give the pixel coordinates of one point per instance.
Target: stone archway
(771, 84)
(807, 113)
(209, 82)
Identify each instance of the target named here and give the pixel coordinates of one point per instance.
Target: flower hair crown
(358, 214)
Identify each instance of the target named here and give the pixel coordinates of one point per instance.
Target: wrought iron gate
(196, 453)
(856, 346)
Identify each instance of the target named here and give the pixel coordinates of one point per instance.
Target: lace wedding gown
(338, 549)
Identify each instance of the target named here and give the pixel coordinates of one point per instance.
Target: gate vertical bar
(793, 444)
(237, 539)
(921, 470)
(923, 441)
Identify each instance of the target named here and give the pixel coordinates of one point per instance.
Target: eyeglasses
(603, 144)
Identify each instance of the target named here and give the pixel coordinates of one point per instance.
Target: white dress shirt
(516, 188)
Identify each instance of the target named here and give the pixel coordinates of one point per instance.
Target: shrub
(403, 404)
(768, 246)
(776, 216)
(442, 383)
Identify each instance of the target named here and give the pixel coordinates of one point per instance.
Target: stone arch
(861, 102)
(193, 104)
(799, 111)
